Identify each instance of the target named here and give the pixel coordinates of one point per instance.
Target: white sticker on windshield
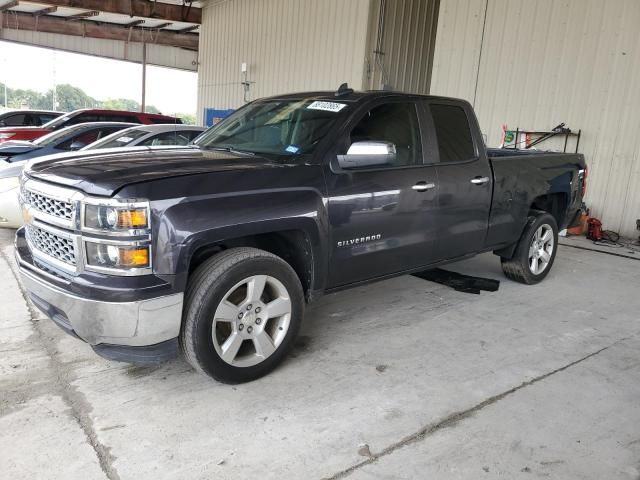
(327, 106)
(124, 139)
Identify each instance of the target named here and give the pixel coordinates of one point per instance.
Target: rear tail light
(585, 174)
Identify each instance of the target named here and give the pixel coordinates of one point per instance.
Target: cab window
(395, 123)
(453, 133)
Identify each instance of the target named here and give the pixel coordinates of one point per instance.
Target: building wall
(288, 45)
(400, 48)
(543, 62)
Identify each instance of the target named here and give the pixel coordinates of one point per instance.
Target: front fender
(188, 225)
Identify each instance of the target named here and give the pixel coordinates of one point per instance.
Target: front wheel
(243, 310)
(535, 252)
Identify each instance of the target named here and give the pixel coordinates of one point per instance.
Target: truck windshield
(280, 127)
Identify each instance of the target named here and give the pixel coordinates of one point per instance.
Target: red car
(82, 116)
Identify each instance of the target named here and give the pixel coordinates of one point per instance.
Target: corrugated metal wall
(400, 49)
(542, 62)
(289, 45)
(160, 55)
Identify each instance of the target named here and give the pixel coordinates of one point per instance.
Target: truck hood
(104, 172)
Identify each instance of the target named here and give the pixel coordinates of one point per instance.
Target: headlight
(6, 136)
(117, 256)
(116, 218)
(9, 183)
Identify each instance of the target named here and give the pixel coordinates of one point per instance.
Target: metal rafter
(135, 8)
(93, 29)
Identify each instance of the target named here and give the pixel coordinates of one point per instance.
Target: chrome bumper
(141, 323)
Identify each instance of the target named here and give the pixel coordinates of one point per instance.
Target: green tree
(73, 98)
(187, 118)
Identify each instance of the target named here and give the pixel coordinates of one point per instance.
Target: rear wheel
(535, 252)
(243, 310)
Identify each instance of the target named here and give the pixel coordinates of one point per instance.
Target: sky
(170, 90)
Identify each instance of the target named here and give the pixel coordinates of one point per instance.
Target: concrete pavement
(400, 379)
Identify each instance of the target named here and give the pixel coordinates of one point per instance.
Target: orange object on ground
(582, 228)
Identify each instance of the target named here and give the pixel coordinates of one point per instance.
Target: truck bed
(521, 176)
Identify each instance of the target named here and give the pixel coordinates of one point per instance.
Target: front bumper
(139, 323)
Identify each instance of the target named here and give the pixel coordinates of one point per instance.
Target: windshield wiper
(233, 150)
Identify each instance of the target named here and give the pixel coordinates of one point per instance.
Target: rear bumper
(142, 323)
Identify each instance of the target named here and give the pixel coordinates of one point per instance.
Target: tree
(72, 98)
(187, 118)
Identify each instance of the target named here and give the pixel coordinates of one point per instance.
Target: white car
(10, 214)
(149, 136)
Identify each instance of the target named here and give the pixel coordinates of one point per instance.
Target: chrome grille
(48, 205)
(49, 243)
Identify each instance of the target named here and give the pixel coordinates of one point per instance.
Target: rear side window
(453, 133)
(17, 120)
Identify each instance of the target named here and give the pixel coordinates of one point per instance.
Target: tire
(251, 334)
(526, 265)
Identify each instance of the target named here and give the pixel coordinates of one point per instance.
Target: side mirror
(368, 154)
(76, 146)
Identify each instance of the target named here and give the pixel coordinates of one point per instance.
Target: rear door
(380, 217)
(465, 179)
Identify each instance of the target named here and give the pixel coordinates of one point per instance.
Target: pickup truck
(214, 249)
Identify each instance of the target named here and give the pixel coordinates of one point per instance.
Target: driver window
(395, 123)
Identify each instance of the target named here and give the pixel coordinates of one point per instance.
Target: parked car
(84, 116)
(149, 136)
(14, 155)
(214, 248)
(27, 118)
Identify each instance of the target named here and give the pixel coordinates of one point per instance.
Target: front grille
(48, 205)
(55, 246)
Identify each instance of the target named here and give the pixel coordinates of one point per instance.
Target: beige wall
(543, 62)
(289, 45)
(400, 48)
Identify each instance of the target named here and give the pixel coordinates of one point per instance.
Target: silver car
(148, 136)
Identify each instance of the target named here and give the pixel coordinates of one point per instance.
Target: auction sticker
(327, 106)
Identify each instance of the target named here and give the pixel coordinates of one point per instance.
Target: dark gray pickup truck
(214, 249)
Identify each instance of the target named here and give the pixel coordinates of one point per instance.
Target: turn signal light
(134, 257)
(130, 219)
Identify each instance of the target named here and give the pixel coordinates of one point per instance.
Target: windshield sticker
(327, 106)
(124, 139)
(292, 149)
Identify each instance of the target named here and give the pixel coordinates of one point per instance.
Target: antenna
(343, 90)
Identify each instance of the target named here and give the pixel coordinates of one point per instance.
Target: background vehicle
(84, 116)
(216, 247)
(14, 155)
(27, 118)
(148, 136)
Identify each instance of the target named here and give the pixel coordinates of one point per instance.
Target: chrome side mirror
(368, 154)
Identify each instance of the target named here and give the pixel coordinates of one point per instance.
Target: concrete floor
(403, 379)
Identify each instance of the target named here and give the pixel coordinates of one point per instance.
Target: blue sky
(36, 68)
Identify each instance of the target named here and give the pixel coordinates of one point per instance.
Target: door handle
(423, 186)
(479, 180)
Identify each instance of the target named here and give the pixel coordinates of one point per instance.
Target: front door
(379, 216)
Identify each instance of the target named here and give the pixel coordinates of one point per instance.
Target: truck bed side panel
(521, 178)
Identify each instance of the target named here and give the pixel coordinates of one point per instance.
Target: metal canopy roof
(168, 27)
